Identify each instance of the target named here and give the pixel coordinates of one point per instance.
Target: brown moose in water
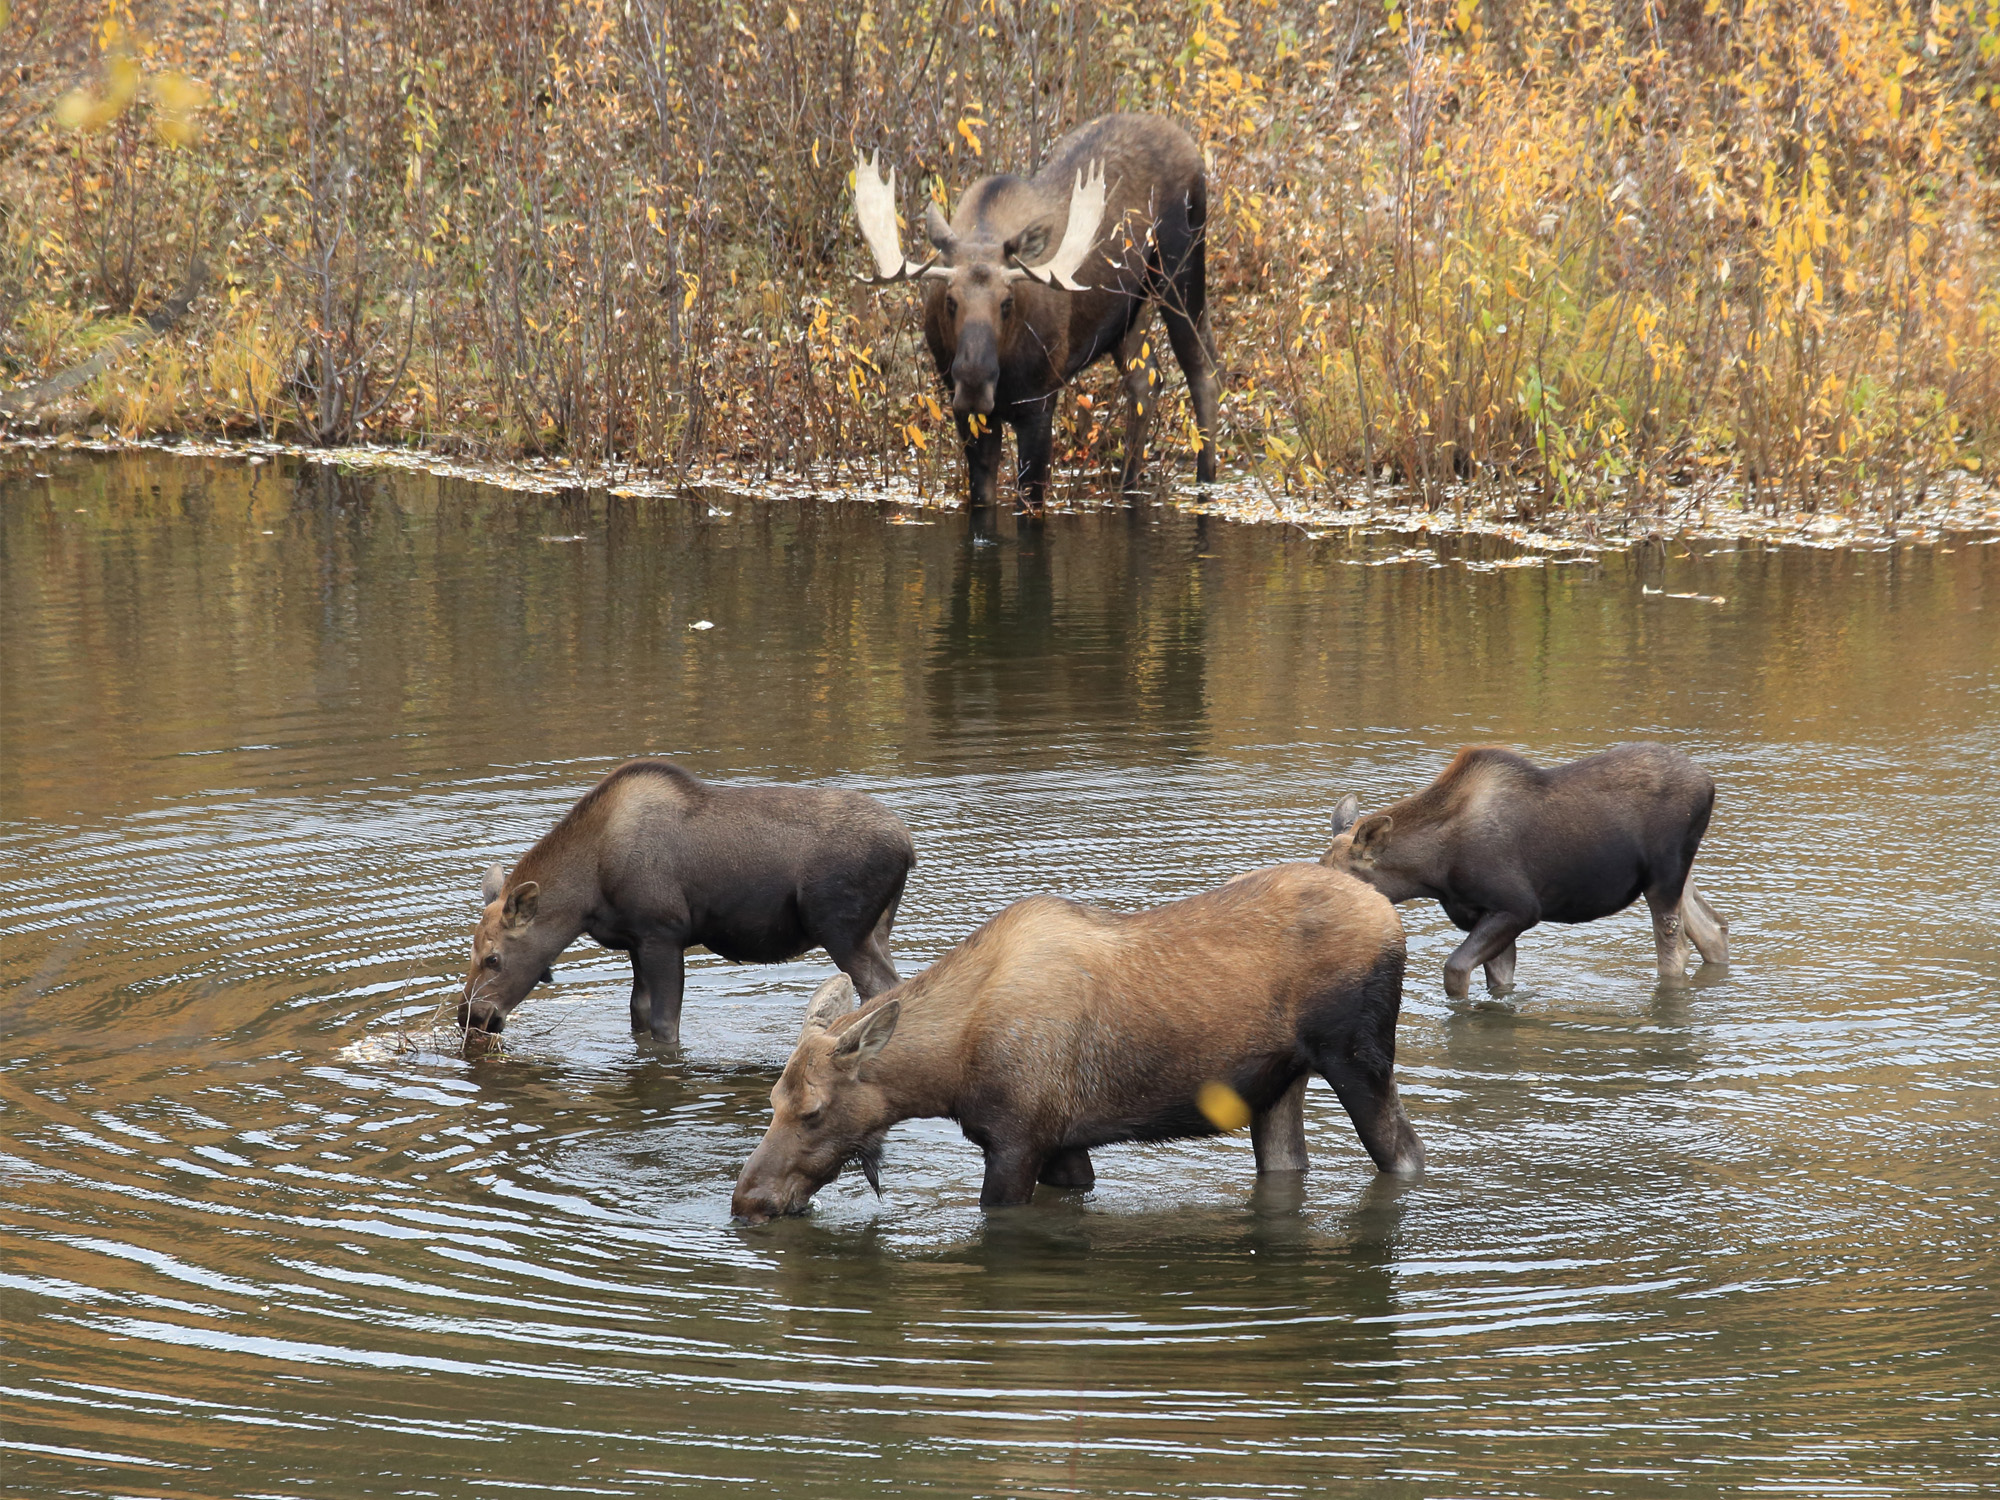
(653, 861)
(1502, 844)
(1057, 1027)
(1032, 280)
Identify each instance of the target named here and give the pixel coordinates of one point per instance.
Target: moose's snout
(969, 396)
(758, 1203)
(768, 1189)
(482, 1015)
(975, 371)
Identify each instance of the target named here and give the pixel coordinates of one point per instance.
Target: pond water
(265, 725)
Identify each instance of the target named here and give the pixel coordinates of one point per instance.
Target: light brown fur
(1057, 1027)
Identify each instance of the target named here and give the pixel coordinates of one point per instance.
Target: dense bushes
(1586, 252)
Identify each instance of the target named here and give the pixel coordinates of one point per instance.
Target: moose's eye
(950, 305)
(492, 960)
(1007, 308)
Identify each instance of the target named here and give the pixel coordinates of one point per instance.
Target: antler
(875, 208)
(1086, 211)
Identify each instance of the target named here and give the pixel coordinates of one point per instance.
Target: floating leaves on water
(579, 537)
(702, 625)
(1221, 1106)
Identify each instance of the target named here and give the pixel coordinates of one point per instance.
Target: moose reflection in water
(654, 861)
(1010, 321)
(1501, 844)
(1058, 1027)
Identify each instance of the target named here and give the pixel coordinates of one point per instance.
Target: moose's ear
(1345, 811)
(494, 883)
(868, 1036)
(1030, 245)
(832, 1000)
(521, 903)
(1371, 836)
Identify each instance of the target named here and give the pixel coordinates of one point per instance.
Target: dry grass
(1578, 255)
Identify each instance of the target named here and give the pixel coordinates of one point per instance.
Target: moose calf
(1502, 844)
(654, 861)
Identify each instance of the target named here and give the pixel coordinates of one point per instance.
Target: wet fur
(1058, 1027)
(653, 860)
(1502, 844)
(1155, 184)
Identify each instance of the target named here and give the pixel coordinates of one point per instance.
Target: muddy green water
(264, 726)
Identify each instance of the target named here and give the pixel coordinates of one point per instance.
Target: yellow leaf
(177, 92)
(121, 81)
(972, 140)
(1222, 1106)
(73, 109)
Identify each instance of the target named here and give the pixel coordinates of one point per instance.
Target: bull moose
(1034, 279)
(1502, 843)
(653, 860)
(1057, 1027)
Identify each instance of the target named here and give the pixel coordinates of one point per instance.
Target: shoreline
(1969, 508)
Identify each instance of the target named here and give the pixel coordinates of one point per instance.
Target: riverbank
(1958, 506)
(1590, 256)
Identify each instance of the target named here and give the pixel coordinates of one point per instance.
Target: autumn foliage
(1573, 254)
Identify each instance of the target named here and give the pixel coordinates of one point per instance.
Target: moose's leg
(657, 974)
(1194, 347)
(866, 963)
(1278, 1134)
(1034, 441)
(982, 457)
(1139, 369)
(1670, 942)
(1500, 971)
(1069, 1169)
(1707, 927)
(1010, 1175)
(1491, 936)
(1362, 1074)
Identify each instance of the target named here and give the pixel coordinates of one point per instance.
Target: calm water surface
(264, 726)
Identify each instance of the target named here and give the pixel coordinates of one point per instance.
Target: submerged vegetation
(1586, 254)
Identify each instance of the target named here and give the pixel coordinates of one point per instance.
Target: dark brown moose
(1057, 1027)
(653, 861)
(1033, 279)
(1502, 844)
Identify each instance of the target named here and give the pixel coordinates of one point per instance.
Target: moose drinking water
(654, 861)
(1057, 1027)
(1034, 279)
(1502, 844)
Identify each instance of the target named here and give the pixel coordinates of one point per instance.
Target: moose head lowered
(654, 861)
(1502, 843)
(1057, 1027)
(1032, 280)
